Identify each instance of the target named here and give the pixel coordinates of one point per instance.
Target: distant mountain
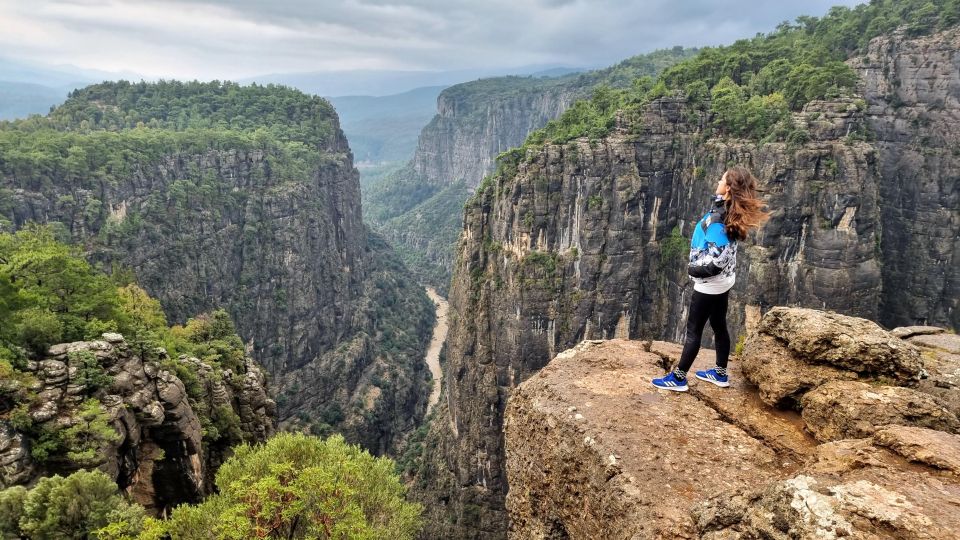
(29, 88)
(384, 83)
(385, 129)
(19, 100)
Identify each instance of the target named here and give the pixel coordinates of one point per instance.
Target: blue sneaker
(711, 376)
(670, 382)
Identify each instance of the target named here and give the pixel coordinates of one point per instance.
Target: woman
(713, 262)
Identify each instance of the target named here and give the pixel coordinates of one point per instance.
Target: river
(436, 343)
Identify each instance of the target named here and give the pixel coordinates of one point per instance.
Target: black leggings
(703, 307)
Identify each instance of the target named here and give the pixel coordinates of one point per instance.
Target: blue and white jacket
(713, 256)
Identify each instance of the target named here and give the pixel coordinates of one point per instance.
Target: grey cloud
(243, 37)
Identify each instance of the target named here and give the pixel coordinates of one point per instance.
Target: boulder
(848, 343)
(930, 447)
(795, 350)
(780, 376)
(851, 409)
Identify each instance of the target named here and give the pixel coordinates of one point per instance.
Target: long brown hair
(745, 210)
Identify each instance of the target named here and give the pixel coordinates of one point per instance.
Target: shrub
(75, 507)
(673, 248)
(89, 373)
(298, 486)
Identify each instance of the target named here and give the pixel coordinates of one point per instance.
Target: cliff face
(587, 241)
(158, 450)
(594, 451)
(454, 152)
(273, 234)
(913, 91)
(284, 253)
(419, 207)
(463, 140)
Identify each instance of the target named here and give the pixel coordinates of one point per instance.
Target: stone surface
(594, 451)
(930, 447)
(851, 410)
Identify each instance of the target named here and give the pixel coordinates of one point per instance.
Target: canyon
(585, 241)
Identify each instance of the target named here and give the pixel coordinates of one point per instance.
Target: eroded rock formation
(163, 451)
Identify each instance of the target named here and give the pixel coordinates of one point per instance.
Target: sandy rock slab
(594, 451)
(740, 404)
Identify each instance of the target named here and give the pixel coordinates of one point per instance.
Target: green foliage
(75, 507)
(51, 291)
(142, 318)
(755, 82)
(285, 113)
(14, 386)
(78, 444)
(594, 202)
(673, 249)
(11, 509)
(89, 374)
(298, 486)
(738, 349)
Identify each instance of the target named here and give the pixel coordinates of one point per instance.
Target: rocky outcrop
(593, 450)
(587, 241)
(161, 450)
(794, 350)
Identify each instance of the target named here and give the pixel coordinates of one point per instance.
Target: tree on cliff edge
(298, 486)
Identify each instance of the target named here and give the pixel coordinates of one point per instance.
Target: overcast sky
(232, 39)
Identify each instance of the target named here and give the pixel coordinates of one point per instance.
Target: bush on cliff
(298, 486)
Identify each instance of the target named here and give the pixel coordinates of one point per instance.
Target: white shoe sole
(711, 381)
(671, 388)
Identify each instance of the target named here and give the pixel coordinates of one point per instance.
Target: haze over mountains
(381, 111)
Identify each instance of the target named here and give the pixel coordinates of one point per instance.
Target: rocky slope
(586, 241)
(161, 450)
(268, 226)
(625, 460)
